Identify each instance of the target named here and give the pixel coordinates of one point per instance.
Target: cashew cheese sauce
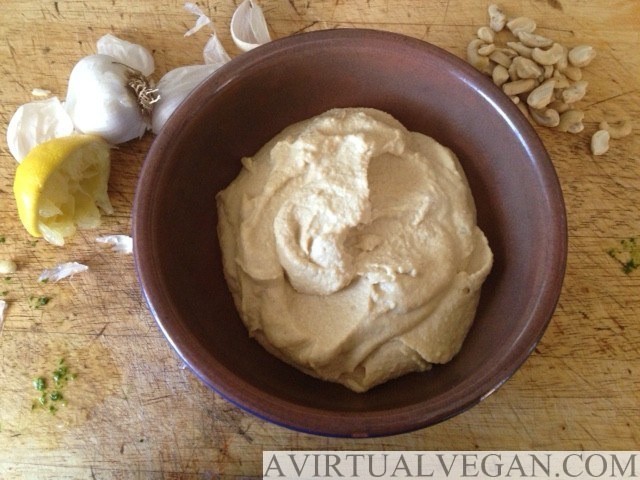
(351, 248)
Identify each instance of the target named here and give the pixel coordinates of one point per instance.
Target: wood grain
(134, 411)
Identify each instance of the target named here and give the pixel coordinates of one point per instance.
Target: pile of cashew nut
(541, 76)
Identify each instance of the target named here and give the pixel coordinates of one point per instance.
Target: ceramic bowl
(252, 98)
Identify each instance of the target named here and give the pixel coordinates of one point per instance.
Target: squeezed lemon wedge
(61, 185)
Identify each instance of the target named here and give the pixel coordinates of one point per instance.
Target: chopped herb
(3, 293)
(2, 239)
(55, 396)
(39, 384)
(7, 279)
(627, 254)
(44, 280)
(39, 301)
(60, 377)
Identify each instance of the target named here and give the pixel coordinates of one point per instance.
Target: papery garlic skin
(174, 88)
(202, 20)
(131, 54)
(248, 26)
(214, 52)
(100, 102)
(37, 122)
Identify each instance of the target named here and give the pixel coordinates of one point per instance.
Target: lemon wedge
(60, 185)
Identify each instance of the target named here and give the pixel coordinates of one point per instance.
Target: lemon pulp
(61, 185)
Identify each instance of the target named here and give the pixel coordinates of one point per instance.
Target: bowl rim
(347, 423)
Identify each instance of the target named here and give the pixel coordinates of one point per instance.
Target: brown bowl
(252, 98)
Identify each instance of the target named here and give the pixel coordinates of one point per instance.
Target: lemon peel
(61, 185)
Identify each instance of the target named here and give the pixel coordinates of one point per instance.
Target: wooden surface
(134, 411)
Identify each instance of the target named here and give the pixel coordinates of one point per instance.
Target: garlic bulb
(174, 87)
(36, 122)
(131, 54)
(107, 98)
(248, 26)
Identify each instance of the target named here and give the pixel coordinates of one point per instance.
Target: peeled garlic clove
(131, 54)
(214, 52)
(36, 122)
(174, 88)
(200, 22)
(248, 26)
(100, 102)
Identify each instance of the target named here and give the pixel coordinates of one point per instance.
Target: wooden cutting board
(134, 411)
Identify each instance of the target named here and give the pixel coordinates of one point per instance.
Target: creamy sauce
(351, 248)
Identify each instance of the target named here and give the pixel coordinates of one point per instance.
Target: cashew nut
(532, 40)
(486, 50)
(575, 92)
(548, 71)
(559, 106)
(546, 118)
(600, 142)
(501, 58)
(475, 59)
(497, 18)
(486, 34)
(582, 55)
(571, 121)
(499, 75)
(572, 73)
(519, 86)
(521, 48)
(549, 56)
(563, 61)
(521, 24)
(526, 68)
(617, 130)
(561, 81)
(542, 95)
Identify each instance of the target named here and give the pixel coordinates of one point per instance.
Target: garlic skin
(100, 102)
(248, 26)
(214, 52)
(131, 54)
(36, 122)
(174, 88)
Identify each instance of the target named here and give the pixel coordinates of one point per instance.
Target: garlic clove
(36, 122)
(100, 102)
(200, 22)
(174, 87)
(248, 26)
(131, 54)
(214, 52)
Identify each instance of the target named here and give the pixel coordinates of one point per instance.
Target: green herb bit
(38, 302)
(3, 293)
(55, 396)
(39, 384)
(2, 239)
